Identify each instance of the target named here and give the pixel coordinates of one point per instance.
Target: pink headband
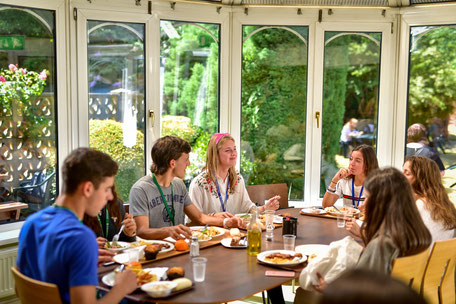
(219, 136)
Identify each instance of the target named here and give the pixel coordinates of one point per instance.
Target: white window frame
(63, 132)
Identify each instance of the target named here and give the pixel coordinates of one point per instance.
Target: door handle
(317, 117)
(151, 118)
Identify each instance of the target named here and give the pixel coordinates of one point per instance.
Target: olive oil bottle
(254, 235)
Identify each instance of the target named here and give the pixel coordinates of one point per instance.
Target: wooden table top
(231, 274)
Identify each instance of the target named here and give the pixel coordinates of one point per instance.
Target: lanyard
(107, 224)
(65, 208)
(170, 214)
(353, 193)
(220, 195)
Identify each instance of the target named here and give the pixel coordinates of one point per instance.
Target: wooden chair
(438, 281)
(31, 291)
(410, 269)
(259, 193)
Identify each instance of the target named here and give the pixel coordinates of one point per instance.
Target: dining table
(232, 274)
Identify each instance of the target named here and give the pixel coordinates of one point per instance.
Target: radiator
(7, 260)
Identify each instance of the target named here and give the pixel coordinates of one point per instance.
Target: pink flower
(42, 75)
(2, 79)
(23, 71)
(12, 68)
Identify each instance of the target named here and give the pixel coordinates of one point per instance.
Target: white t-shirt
(436, 229)
(204, 195)
(344, 189)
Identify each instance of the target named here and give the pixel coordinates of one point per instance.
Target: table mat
(326, 215)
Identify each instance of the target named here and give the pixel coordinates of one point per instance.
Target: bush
(107, 136)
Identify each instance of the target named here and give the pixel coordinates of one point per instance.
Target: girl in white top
(436, 209)
(348, 183)
(219, 190)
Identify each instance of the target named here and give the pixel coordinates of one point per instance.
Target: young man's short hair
(86, 165)
(164, 150)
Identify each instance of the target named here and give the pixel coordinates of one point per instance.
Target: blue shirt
(55, 247)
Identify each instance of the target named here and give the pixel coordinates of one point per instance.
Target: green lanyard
(65, 208)
(171, 216)
(107, 224)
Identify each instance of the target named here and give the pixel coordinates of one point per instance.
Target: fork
(337, 209)
(115, 238)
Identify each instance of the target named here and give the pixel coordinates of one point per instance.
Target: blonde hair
(428, 185)
(212, 159)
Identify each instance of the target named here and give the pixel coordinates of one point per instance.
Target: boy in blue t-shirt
(54, 245)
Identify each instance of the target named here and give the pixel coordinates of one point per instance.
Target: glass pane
(116, 97)
(28, 129)
(350, 98)
(189, 86)
(432, 92)
(274, 87)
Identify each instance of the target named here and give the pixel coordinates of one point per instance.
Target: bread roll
(234, 232)
(182, 283)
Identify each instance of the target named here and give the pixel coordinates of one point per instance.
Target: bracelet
(333, 182)
(331, 190)
(224, 223)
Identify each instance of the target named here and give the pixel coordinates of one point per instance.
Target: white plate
(277, 218)
(227, 243)
(124, 258)
(124, 245)
(311, 249)
(149, 242)
(220, 230)
(160, 272)
(313, 211)
(262, 258)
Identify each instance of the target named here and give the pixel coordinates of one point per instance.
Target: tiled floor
(288, 295)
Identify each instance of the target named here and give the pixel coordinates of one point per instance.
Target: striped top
(344, 189)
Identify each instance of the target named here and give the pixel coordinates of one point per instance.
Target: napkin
(330, 264)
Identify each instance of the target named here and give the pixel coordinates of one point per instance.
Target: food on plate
(159, 289)
(283, 258)
(181, 245)
(175, 272)
(342, 210)
(151, 251)
(235, 241)
(205, 233)
(142, 276)
(312, 210)
(182, 283)
(234, 232)
(286, 214)
(113, 245)
(145, 243)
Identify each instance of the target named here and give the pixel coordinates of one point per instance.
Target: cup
(269, 222)
(290, 226)
(199, 269)
(340, 220)
(289, 242)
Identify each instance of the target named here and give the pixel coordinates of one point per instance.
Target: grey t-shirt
(145, 199)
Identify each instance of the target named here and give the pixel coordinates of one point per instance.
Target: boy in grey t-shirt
(160, 201)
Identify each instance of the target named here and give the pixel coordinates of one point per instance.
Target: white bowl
(159, 289)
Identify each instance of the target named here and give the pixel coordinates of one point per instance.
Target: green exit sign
(12, 42)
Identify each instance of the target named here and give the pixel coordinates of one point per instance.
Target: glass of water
(199, 269)
(269, 221)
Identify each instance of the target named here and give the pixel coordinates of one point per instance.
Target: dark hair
(114, 211)
(370, 159)
(360, 286)
(428, 185)
(86, 165)
(164, 150)
(390, 209)
(416, 133)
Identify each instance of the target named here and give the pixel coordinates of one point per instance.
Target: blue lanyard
(220, 195)
(353, 193)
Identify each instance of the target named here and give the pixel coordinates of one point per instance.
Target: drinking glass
(340, 220)
(199, 269)
(269, 221)
(289, 242)
(133, 255)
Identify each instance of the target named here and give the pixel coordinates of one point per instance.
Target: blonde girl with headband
(219, 189)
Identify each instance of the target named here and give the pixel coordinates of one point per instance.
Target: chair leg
(264, 298)
(293, 286)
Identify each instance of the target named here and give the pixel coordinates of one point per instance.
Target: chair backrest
(31, 291)
(259, 193)
(410, 269)
(438, 281)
